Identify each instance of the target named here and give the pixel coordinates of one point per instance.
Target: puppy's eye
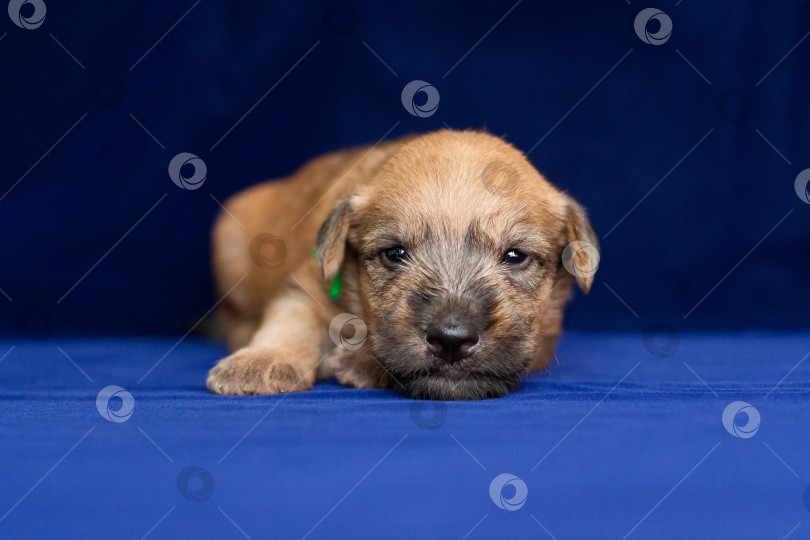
(393, 256)
(515, 257)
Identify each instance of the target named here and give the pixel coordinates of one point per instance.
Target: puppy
(438, 265)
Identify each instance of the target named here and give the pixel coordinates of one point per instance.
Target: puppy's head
(457, 252)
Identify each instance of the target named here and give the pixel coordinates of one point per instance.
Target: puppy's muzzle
(452, 337)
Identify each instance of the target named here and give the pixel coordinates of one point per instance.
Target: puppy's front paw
(352, 368)
(256, 370)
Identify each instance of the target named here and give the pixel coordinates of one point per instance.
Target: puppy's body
(425, 234)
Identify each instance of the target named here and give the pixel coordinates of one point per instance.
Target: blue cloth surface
(623, 435)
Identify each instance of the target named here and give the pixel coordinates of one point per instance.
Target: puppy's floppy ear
(582, 251)
(331, 241)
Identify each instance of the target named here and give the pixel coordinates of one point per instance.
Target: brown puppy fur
(450, 248)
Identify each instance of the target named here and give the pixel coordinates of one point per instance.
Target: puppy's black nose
(452, 339)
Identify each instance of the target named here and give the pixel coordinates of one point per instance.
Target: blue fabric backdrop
(611, 442)
(607, 117)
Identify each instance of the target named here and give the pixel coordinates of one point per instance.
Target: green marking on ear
(334, 289)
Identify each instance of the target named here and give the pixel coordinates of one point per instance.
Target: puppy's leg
(283, 354)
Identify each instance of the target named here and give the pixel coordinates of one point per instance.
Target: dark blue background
(78, 201)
